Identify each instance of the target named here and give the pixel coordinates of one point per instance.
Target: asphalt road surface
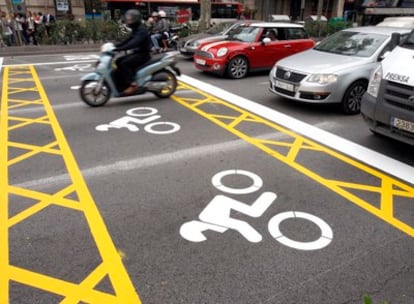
(223, 193)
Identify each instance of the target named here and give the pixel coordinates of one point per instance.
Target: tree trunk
(205, 15)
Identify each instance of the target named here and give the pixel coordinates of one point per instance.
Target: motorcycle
(157, 76)
(172, 37)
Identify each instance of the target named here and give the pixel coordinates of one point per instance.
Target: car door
(277, 49)
(298, 40)
(255, 51)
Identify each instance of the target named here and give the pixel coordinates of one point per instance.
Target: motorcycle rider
(160, 30)
(139, 43)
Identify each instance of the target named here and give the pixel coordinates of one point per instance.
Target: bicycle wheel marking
(293, 147)
(22, 87)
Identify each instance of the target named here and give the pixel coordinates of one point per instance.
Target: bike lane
(272, 178)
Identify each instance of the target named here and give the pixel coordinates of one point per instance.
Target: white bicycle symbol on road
(81, 67)
(141, 116)
(216, 216)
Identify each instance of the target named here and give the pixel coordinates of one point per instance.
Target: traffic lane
(145, 208)
(50, 59)
(327, 116)
(198, 154)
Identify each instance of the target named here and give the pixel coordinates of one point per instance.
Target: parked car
(250, 48)
(401, 21)
(336, 70)
(191, 43)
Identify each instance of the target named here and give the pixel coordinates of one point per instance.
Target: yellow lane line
(112, 266)
(61, 287)
(4, 196)
(118, 275)
(389, 188)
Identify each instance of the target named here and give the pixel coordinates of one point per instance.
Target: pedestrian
(6, 29)
(49, 21)
(31, 28)
(22, 28)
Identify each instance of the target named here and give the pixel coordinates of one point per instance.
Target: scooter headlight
(107, 47)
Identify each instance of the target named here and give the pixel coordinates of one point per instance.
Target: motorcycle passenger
(160, 30)
(139, 44)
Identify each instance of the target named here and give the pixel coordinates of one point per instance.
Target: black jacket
(139, 40)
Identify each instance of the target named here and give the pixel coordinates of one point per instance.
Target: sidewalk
(28, 50)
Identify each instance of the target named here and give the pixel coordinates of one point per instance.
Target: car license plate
(402, 124)
(200, 61)
(183, 49)
(284, 85)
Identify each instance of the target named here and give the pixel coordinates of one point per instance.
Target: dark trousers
(126, 69)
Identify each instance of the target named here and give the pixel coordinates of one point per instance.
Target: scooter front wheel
(95, 93)
(170, 83)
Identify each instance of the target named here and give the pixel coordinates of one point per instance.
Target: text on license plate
(402, 124)
(285, 85)
(200, 61)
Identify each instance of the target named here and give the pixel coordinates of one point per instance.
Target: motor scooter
(158, 76)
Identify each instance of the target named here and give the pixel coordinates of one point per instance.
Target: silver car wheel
(238, 67)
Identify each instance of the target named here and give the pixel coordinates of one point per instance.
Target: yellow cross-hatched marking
(24, 81)
(388, 189)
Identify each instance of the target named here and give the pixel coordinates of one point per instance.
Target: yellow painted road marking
(294, 146)
(18, 84)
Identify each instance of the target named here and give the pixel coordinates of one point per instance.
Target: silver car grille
(399, 95)
(290, 76)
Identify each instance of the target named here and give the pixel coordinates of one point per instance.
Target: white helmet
(162, 14)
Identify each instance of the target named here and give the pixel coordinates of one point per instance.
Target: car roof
(276, 24)
(387, 30)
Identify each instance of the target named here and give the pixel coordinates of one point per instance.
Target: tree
(205, 14)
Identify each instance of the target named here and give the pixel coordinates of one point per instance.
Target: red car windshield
(244, 34)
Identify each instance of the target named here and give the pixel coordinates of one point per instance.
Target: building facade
(58, 8)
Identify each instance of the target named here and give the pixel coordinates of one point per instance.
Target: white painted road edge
(365, 155)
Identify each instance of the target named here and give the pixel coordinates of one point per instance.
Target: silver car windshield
(220, 28)
(352, 43)
(244, 33)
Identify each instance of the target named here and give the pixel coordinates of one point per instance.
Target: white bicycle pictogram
(81, 67)
(216, 216)
(136, 117)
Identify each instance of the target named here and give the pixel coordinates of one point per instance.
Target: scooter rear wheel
(95, 93)
(171, 83)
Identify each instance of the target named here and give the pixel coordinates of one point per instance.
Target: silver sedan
(336, 70)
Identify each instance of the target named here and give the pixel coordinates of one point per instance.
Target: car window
(352, 43)
(219, 28)
(244, 33)
(295, 33)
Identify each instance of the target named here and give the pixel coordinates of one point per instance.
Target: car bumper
(210, 65)
(187, 52)
(379, 117)
(306, 91)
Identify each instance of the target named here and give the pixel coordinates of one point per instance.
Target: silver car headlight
(222, 52)
(194, 44)
(374, 82)
(323, 78)
(273, 71)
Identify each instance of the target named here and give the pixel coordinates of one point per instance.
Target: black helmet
(133, 17)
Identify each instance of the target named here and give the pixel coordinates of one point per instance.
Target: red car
(252, 47)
